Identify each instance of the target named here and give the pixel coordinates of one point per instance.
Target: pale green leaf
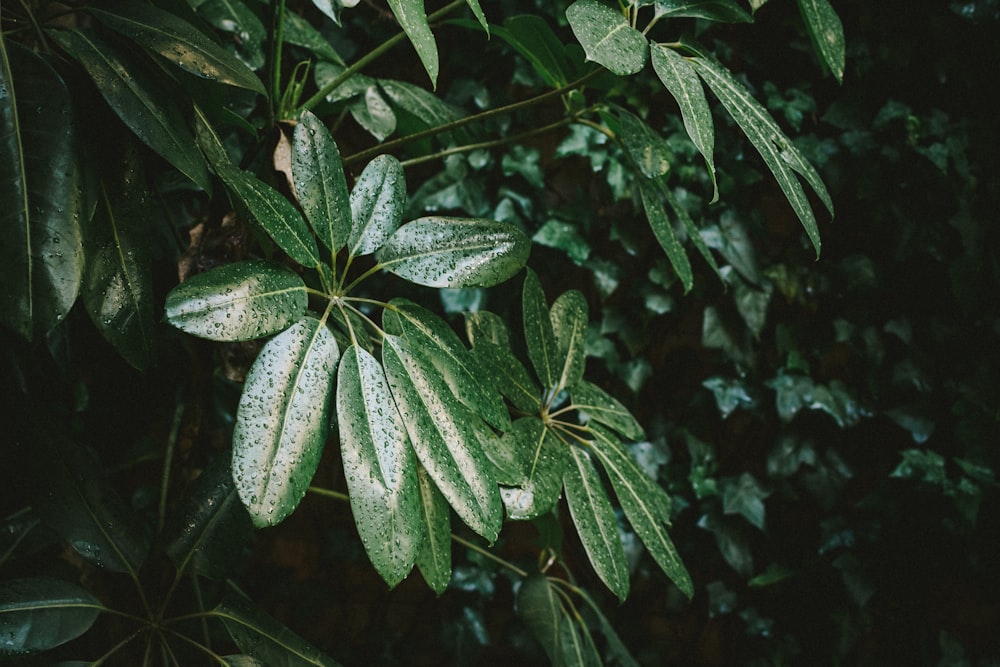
(377, 202)
(426, 106)
(543, 460)
(265, 639)
(240, 301)
(282, 418)
(413, 19)
(434, 557)
(603, 408)
(538, 334)
(827, 33)
(606, 37)
(320, 184)
(373, 113)
(333, 8)
(569, 315)
(664, 232)
(37, 614)
(726, 11)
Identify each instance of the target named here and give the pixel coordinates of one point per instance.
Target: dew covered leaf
(239, 301)
(827, 33)
(413, 19)
(264, 638)
(509, 375)
(605, 409)
(648, 150)
(428, 107)
(543, 460)
(569, 315)
(282, 419)
(538, 333)
(40, 613)
(320, 184)
(664, 231)
(727, 11)
(606, 37)
(434, 557)
(377, 203)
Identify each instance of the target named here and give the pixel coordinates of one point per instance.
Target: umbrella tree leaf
(413, 19)
(265, 639)
(434, 557)
(543, 460)
(37, 614)
(569, 315)
(320, 184)
(377, 203)
(538, 333)
(605, 409)
(606, 37)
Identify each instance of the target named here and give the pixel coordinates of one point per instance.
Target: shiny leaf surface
(434, 557)
(413, 19)
(246, 34)
(569, 315)
(510, 376)
(377, 202)
(727, 11)
(426, 106)
(543, 459)
(827, 33)
(37, 614)
(265, 639)
(648, 150)
(607, 37)
(605, 409)
(320, 183)
(538, 334)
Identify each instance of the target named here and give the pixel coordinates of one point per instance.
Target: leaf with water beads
(377, 203)
(320, 184)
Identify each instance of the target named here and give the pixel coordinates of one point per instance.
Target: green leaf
(543, 459)
(477, 10)
(532, 37)
(373, 113)
(247, 33)
(141, 98)
(538, 333)
(484, 326)
(333, 8)
(450, 357)
(692, 231)
(413, 20)
(644, 145)
(645, 504)
(680, 79)
(616, 651)
(606, 37)
(725, 11)
(281, 422)
(377, 203)
(379, 466)
(444, 441)
(428, 107)
(511, 377)
(569, 317)
(779, 153)
(827, 33)
(300, 32)
(118, 282)
(41, 249)
(455, 252)
(576, 646)
(434, 557)
(212, 528)
(664, 232)
(539, 607)
(40, 613)
(595, 522)
(178, 41)
(240, 301)
(744, 496)
(264, 638)
(603, 408)
(320, 184)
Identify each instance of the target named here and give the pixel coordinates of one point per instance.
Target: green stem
(371, 56)
(488, 554)
(117, 647)
(168, 457)
(277, 30)
(364, 276)
(329, 493)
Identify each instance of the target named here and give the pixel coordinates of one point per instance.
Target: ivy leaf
(239, 301)
(282, 418)
(265, 639)
(434, 557)
(41, 253)
(680, 79)
(595, 522)
(744, 496)
(413, 19)
(444, 442)
(543, 459)
(538, 333)
(455, 252)
(606, 37)
(827, 33)
(178, 41)
(377, 203)
(569, 315)
(379, 466)
(725, 11)
(320, 184)
(40, 613)
(664, 232)
(605, 409)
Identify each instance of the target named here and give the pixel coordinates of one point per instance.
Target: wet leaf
(569, 315)
(40, 613)
(372, 112)
(320, 184)
(264, 638)
(240, 301)
(428, 107)
(648, 150)
(534, 39)
(607, 37)
(726, 11)
(246, 32)
(510, 376)
(539, 607)
(281, 422)
(664, 232)
(538, 333)
(377, 203)
(413, 19)
(827, 33)
(605, 409)
(543, 461)
(300, 32)
(434, 557)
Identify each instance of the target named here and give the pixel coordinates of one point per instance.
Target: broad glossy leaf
(212, 528)
(827, 33)
(379, 466)
(413, 19)
(320, 183)
(607, 37)
(645, 146)
(247, 33)
(538, 334)
(373, 113)
(594, 518)
(240, 301)
(434, 557)
(680, 79)
(726, 11)
(118, 281)
(426, 106)
(779, 153)
(81, 506)
(265, 639)
(40, 613)
(569, 317)
(510, 376)
(532, 37)
(664, 232)
(484, 326)
(178, 41)
(455, 252)
(356, 84)
(444, 441)
(377, 202)
(300, 32)
(142, 98)
(539, 607)
(477, 10)
(605, 409)
(281, 422)
(645, 504)
(442, 347)
(543, 458)
(41, 249)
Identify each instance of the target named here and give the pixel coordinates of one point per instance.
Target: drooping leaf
(41, 613)
(41, 252)
(538, 334)
(539, 607)
(532, 37)
(377, 203)
(664, 232)
(426, 106)
(442, 438)
(648, 150)
(827, 33)
(779, 153)
(320, 183)
(455, 252)
(247, 33)
(616, 650)
(605, 409)
(372, 112)
(645, 504)
(300, 32)
(281, 422)
(239, 301)
(178, 41)
(265, 639)
(511, 377)
(413, 20)
(569, 317)
(680, 79)
(726, 11)
(142, 100)
(595, 522)
(607, 37)
(434, 557)
(477, 10)
(692, 231)
(379, 466)
(543, 460)
(442, 347)
(576, 646)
